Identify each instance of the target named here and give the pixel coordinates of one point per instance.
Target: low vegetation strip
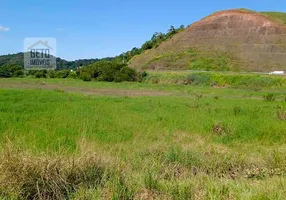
(157, 84)
(216, 79)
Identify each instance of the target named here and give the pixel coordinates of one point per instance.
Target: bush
(197, 79)
(141, 76)
(108, 71)
(8, 71)
(18, 73)
(85, 76)
(269, 97)
(72, 75)
(125, 74)
(62, 73)
(40, 74)
(51, 74)
(101, 71)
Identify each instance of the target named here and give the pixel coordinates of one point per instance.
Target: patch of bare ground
(84, 90)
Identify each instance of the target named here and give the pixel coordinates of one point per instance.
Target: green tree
(11, 70)
(172, 30)
(107, 71)
(147, 45)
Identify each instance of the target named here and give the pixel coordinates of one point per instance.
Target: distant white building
(277, 73)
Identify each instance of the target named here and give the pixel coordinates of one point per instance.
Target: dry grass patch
(49, 177)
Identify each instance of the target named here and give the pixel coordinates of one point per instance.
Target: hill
(237, 40)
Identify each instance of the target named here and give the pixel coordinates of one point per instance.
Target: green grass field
(65, 139)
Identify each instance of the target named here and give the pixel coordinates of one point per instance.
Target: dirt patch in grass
(83, 90)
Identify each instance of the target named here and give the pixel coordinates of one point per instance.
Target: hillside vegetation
(280, 16)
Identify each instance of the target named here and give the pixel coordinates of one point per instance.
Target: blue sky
(96, 29)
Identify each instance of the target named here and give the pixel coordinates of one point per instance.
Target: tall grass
(216, 79)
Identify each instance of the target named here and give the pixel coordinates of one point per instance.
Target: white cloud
(4, 28)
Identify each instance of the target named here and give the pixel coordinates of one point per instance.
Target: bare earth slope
(252, 41)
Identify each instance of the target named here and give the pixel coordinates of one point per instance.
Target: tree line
(155, 41)
(18, 60)
(109, 71)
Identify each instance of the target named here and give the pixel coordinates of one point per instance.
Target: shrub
(85, 76)
(72, 75)
(40, 74)
(18, 73)
(125, 74)
(197, 79)
(31, 72)
(108, 71)
(51, 74)
(101, 71)
(62, 73)
(269, 97)
(8, 71)
(141, 76)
